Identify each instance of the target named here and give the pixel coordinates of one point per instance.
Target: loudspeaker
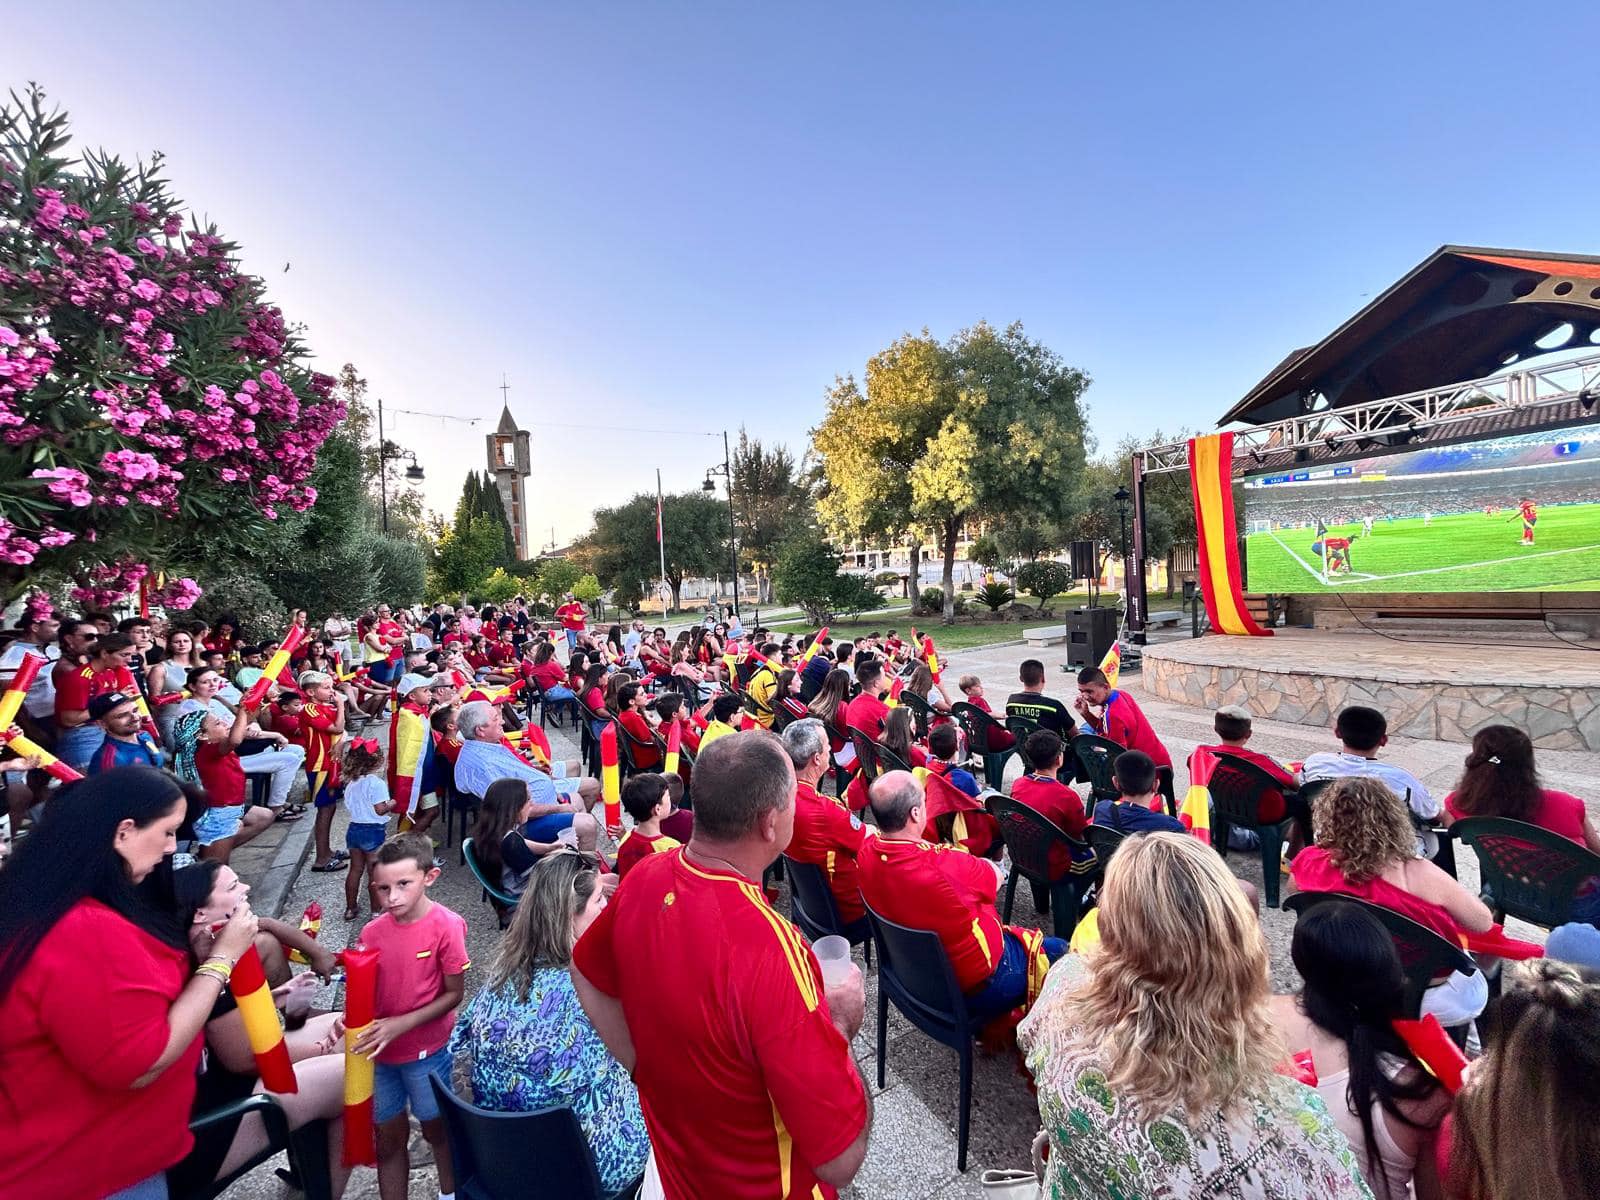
(1081, 559)
(1091, 632)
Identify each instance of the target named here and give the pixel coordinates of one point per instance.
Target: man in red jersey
(1115, 715)
(716, 1005)
(867, 712)
(826, 833)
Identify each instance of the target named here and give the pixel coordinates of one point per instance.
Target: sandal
(330, 866)
(341, 856)
(350, 914)
(287, 814)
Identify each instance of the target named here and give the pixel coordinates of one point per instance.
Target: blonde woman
(1367, 847)
(1154, 1056)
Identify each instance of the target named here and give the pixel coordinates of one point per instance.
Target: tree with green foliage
(587, 589)
(986, 425)
(806, 573)
(494, 508)
(1044, 580)
(557, 577)
(623, 544)
(772, 503)
(462, 561)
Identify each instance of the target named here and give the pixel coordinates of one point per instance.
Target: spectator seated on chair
(1363, 732)
(826, 833)
(631, 700)
(1031, 704)
(446, 739)
(815, 672)
(920, 885)
(763, 685)
(645, 798)
(944, 743)
(485, 757)
(1232, 724)
(551, 678)
(509, 838)
(1366, 847)
(899, 737)
(1113, 714)
(1000, 738)
(526, 1038)
(1139, 1027)
(1379, 1094)
(954, 801)
(831, 706)
(1500, 780)
(1528, 1121)
(1042, 791)
(723, 710)
(786, 696)
(127, 742)
(867, 712)
(1137, 780)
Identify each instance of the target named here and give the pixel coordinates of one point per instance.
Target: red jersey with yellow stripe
(828, 835)
(744, 1081)
(316, 723)
(635, 847)
(942, 888)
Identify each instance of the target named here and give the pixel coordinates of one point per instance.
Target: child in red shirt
(422, 963)
(207, 753)
(648, 801)
(1041, 791)
(1000, 738)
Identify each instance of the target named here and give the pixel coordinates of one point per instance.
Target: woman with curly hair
(1367, 847)
(1527, 1124)
(1154, 1056)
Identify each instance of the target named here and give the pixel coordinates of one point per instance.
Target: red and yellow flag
(1196, 810)
(1111, 664)
(1221, 578)
(669, 765)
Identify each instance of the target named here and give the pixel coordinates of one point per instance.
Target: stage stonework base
(1441, 690)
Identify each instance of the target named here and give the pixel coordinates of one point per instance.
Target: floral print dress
(543, 1053)
(1281, 1145)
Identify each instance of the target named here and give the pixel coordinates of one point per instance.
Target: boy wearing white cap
(410, 748)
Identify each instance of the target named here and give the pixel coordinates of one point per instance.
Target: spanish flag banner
(1111, 664)
(1196, 811)
(674, 748)
(1221, 578)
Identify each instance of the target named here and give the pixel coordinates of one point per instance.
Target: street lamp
(1122, 498)
(413, 472)
(726, 471)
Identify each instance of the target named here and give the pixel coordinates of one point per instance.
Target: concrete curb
(269, 893)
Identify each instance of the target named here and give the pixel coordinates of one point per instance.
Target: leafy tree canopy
(623, 545)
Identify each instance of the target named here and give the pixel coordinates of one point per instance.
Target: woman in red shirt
(223, 635)
(101, 1010)
(786, 696)
(630, 714)
(830, 706)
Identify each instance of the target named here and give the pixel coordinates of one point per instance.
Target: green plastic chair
(1096, 755)
(1528, 872)
(1236, 789)
(978, 723)
(490, 890)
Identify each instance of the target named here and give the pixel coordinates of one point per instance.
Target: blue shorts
(322, 793)
(385, 672)
(364, 836)
(397, 1085)
(1008, 986)
(545, 828)
(218, 823)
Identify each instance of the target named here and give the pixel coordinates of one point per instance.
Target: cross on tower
(505, 391)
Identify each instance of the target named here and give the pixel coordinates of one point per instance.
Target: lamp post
(413, 472)
(1122, 498)
(726, 471)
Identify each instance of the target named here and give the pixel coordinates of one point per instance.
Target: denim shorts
(365, 836)
(545, 828)
(395, 1085)
(218, 822)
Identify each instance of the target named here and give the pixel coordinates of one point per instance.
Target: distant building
(510, 462)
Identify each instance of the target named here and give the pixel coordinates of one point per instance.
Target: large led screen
(1506, 514)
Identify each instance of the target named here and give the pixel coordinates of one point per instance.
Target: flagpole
(661, 540)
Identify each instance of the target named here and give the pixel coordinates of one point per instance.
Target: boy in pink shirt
(422, 963)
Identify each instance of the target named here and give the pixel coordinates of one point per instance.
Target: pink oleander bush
(148, 389)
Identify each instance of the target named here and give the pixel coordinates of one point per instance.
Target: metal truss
(1520, 401)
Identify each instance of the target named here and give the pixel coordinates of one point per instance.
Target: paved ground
(912, 1150)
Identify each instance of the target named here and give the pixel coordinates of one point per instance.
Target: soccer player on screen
(1529, 512)
(1336, 554)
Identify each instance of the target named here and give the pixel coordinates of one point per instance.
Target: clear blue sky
(691, 216)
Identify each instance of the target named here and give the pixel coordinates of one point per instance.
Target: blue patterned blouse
(543, 1053)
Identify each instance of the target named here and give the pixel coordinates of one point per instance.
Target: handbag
(1013, 1184)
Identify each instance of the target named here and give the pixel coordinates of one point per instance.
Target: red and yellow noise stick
(310, 925)
(611, 779)
(248, 983)
(1434, 1049)
(11, 699)
(274, 668)
(816, 644)
(669, 765)
(360, 1010)
(931, 657)
(897, 686)
(25, 747)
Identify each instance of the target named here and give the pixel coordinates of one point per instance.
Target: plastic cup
(833, 956)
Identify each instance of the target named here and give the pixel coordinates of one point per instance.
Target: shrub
(1044, 579)
(931, 600)
(995, 596)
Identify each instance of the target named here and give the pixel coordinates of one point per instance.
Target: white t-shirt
(362, 797)
(41, 698)
(1328, 765)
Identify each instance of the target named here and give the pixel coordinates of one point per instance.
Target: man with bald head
(940, 888)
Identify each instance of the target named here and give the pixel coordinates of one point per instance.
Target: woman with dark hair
(223, 634)
(101, 1010)
(899, 734)
(1527, 1124)
(786, 695)
(504, 855)
(1499, 780)
(528, 1040)
(829, 705)
(1384, 1100)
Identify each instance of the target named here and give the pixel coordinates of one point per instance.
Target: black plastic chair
(1425, 957)
(589, 744)
(816, 911)
(458, 805)
(1020, 728)
(627, 751)
(1104, 840)
(866, 755)
(491, 891)
(915, 972)
(888, 760)
(1029, 836)
(522, 1155)
(978, 723)
(921, 712)
(1528, 872)
(1237, 787)
(307, 1147)
(1095, 756)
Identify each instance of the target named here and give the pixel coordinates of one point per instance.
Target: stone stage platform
(1442, 690)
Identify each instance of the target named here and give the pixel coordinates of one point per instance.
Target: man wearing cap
(410, 748)
(127, 743)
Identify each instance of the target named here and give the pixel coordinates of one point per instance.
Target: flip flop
(329, 867)
(286, 815)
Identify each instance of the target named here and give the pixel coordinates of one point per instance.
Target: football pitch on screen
(1464, 552)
